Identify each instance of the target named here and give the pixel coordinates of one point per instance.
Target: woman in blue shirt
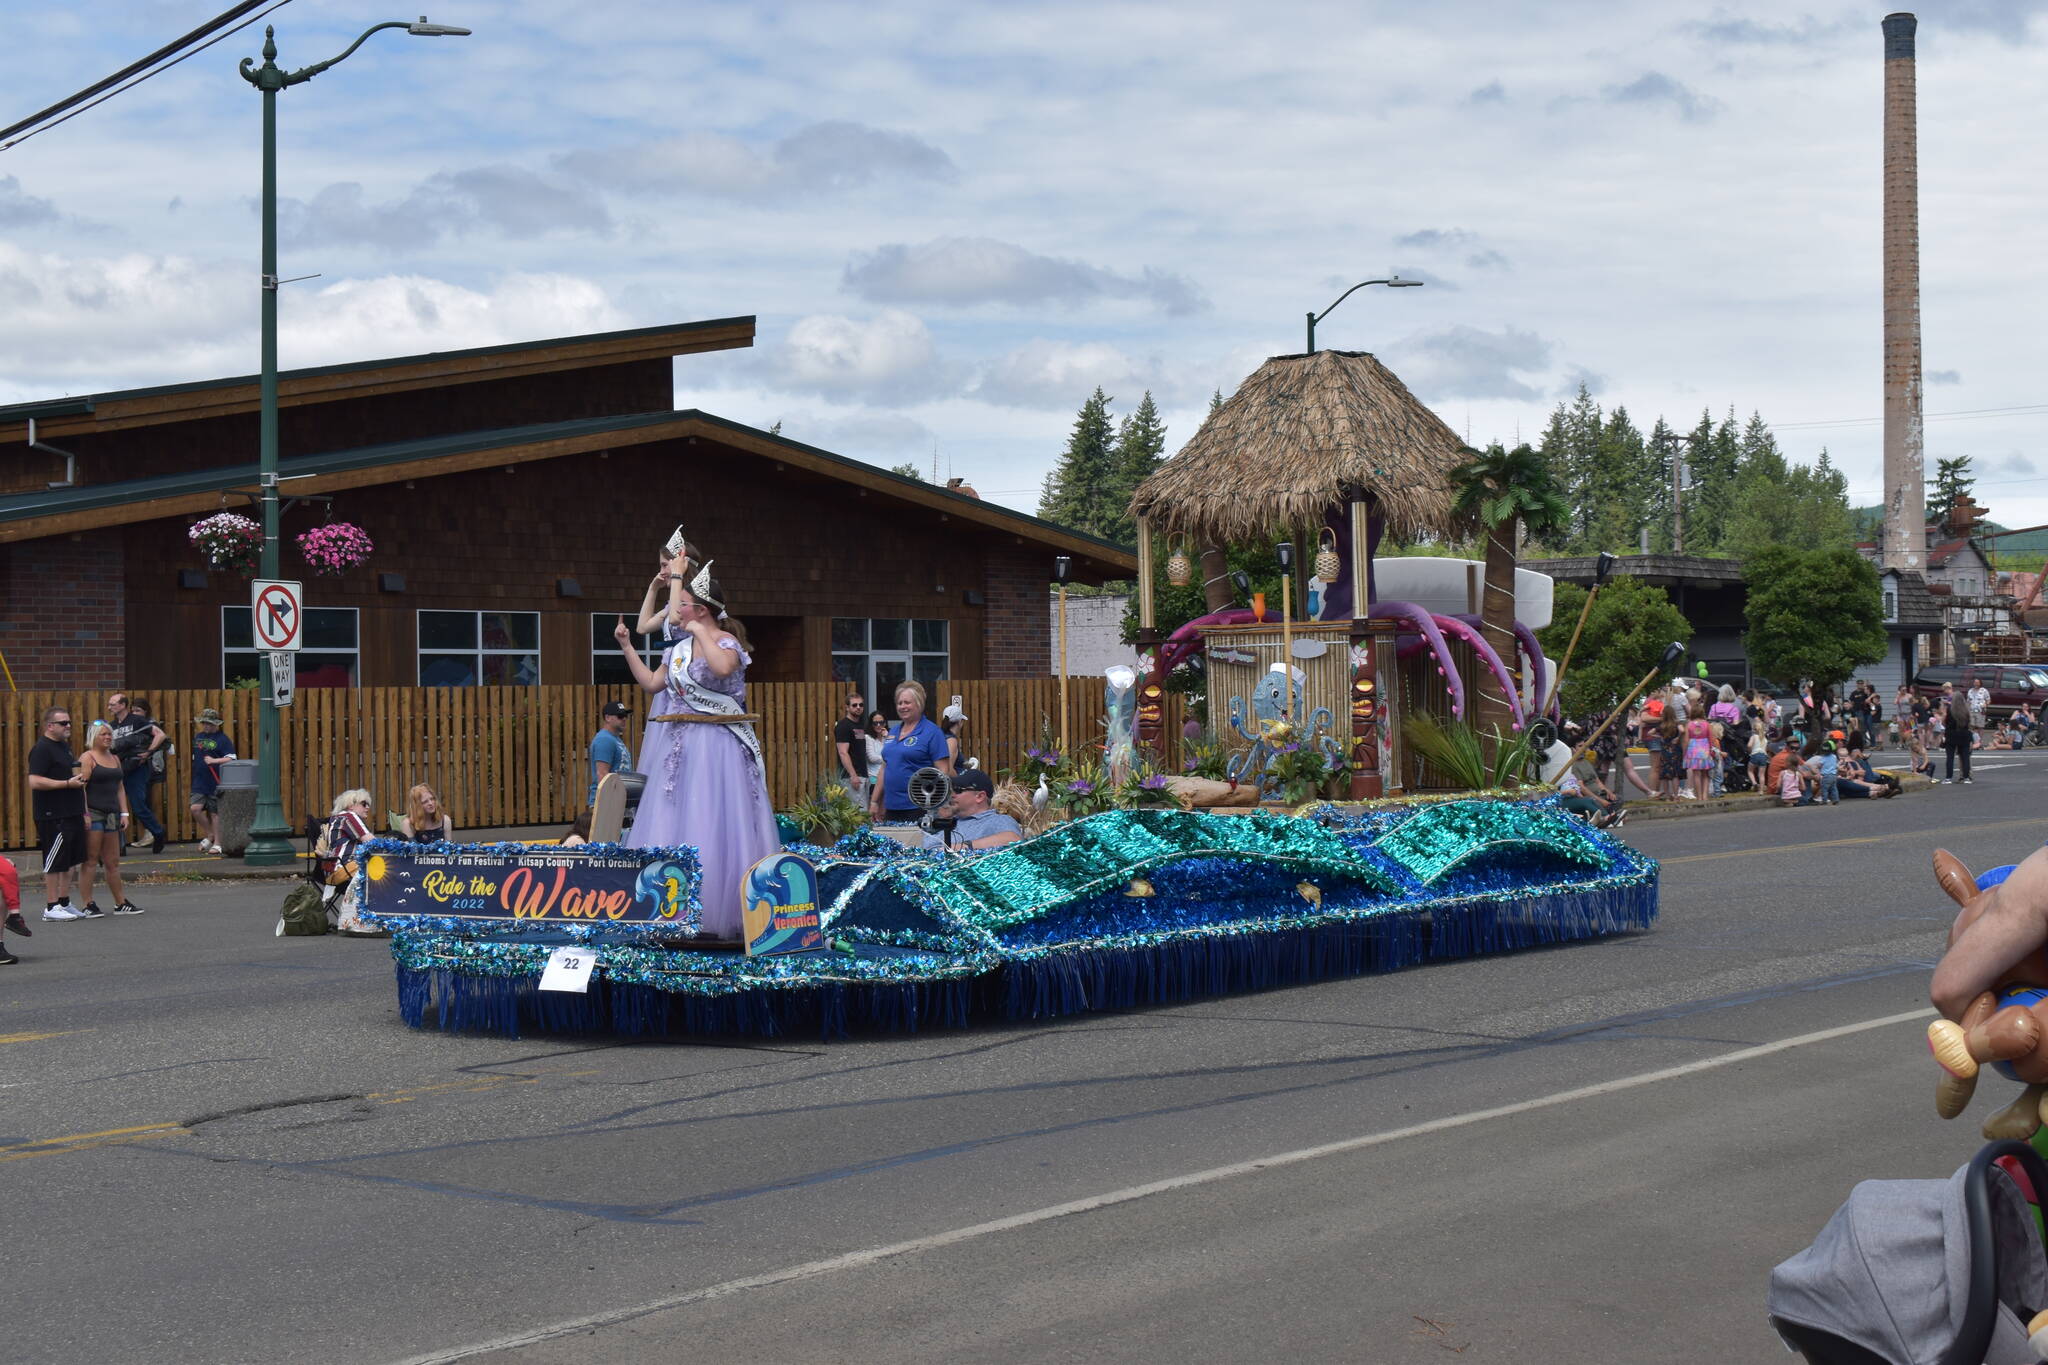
(914, 743)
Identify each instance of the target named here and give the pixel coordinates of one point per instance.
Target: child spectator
(1827, 767)
(1699, 757)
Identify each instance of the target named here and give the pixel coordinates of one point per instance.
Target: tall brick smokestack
(1905, 489)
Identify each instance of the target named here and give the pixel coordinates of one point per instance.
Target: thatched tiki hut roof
(1301, 429)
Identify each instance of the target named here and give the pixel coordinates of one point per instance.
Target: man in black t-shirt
(852, 746)
(57, 796)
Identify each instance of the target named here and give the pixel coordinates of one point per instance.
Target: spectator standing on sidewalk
(1980, 704)
(57, 787)
(136, 739)
(211, 747)
(850, 744)
(608, 751)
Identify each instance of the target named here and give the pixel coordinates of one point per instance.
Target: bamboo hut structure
(1329, 439)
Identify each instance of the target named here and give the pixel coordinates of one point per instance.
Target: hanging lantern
(1179, 571)
(1328, 566)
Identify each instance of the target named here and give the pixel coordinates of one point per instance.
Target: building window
(1891, 604)
(479, 648)
(875, 655)
(607, 665)
(329, 657)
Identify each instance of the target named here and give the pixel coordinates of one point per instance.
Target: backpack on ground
(304, 912)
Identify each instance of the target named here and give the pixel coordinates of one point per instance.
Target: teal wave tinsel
(1045, 928)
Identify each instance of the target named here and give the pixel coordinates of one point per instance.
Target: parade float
(1130, 890)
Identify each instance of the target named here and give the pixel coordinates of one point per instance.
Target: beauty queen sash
(710, 702)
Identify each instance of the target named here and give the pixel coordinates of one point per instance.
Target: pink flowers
(228, 541)
(337, 546)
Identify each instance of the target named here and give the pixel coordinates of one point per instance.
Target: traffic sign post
(284, 676)
(279, 611)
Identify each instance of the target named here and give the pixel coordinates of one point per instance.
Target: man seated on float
(976, 825)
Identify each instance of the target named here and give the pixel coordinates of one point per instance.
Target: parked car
(2009, 684)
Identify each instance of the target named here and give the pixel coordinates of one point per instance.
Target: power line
(2024, 409)
(125, 72)
(157, 71)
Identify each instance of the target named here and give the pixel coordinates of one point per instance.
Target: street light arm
(309, 72)
(1392, 282)
(1347, 294)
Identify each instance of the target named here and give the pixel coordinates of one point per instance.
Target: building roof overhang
(121, 410)
(34, 516)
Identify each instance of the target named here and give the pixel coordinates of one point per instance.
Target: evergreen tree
(1662, 447)
(1951, 483)
(1610, 500)
(908, 469)
(1140, 448)
(1570, 449)
(1076, 494)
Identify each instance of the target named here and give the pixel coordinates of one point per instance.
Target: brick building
(517, 496)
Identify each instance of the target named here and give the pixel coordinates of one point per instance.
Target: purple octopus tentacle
(1425, 626)
(1471, 635)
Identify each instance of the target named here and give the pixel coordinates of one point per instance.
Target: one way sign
(279, 612)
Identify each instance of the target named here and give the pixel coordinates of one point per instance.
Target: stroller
(1925, 1272)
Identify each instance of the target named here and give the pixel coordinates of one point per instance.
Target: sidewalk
(179, 862)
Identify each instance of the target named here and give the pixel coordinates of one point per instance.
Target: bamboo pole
(1063, 671)
(1585, 746)
(1287, 642)
(1145, 617)
(1557, 677)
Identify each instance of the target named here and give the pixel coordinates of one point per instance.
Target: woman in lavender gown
(705, 786)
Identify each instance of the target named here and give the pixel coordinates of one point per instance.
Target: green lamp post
(1391, 282)
(270, 837)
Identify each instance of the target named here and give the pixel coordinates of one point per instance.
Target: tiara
(700, 587)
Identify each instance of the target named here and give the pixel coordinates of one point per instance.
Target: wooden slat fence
(503, 756)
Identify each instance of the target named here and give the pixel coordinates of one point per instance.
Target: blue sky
(954, 220)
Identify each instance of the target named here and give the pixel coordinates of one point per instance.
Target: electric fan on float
(929, 789)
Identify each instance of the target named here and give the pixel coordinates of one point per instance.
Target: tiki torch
(1603, 569)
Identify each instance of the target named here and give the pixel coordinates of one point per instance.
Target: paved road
(224, 1146)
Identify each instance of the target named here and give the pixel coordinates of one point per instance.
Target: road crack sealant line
(854, 1260)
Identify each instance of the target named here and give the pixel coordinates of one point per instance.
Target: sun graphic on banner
(380, 867)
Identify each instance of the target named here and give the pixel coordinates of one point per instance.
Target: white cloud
(1059, 374)
(971, 270)
(405, 314)
(19, 209)
(508, 200)
(82, 324)
(1470, 362)
(820, 158)
(888, 359)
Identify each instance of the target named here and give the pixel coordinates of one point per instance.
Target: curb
(1747, 801)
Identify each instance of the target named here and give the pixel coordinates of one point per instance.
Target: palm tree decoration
(1499, 494)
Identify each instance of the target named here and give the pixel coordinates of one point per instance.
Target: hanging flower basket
(228, 541)
(337, 546)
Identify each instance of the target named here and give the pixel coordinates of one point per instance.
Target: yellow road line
(2035, 821)
(38, 1037)
(79, 1142)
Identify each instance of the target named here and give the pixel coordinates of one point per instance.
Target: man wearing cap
(608, 752)
(211, 747)
(976, 826)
